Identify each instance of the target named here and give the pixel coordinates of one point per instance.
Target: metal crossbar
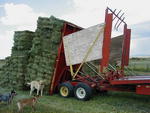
(94, 70)
(92, 64)
(120, 18)
(112, 67)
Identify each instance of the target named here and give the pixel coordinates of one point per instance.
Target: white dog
(39, 85)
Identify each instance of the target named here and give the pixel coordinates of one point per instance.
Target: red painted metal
(131, 80)
(74, 83)
(124, 49)
(106, 40)
(143, 89)
(86, 79)
(112, 75)
(114, 80)
(127, 47)
(61, 72)
(126, 88)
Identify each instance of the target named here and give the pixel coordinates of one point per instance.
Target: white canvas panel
(77, 44)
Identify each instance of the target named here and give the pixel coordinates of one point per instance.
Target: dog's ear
(12, 91)
(28, 83)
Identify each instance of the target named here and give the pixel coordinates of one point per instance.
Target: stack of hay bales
(15, 69)
(5, 73)
(2, 62)
(44, 49)
(33, 54)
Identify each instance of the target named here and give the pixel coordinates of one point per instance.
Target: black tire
(66, 89)
(82, 91)
(102, 93)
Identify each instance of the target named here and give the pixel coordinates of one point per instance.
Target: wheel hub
(80, 92)
(64, 91)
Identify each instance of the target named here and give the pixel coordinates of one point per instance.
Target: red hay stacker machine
(114, 80)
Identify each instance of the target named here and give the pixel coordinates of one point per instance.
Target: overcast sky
(23, 14)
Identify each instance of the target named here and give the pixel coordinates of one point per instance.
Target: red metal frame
(113, 80)
(61, 72)
(106, 41)
(143, 89)
(126, 47)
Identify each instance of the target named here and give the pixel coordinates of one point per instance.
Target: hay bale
(42, 58)
(33, 54)
(13, 72)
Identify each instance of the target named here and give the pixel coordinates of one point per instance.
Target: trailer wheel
(83, 91)
(66, 89)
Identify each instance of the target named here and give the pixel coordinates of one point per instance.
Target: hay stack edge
(33, 54)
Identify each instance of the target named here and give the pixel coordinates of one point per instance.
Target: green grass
(140, 65)
(113, 102)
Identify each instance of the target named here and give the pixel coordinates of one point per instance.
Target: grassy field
(140, 65)
(113, 102)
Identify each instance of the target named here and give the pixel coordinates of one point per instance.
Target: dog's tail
(29, 83)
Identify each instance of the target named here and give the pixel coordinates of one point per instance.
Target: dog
(39, 85)
(8, 97)
(27, 102)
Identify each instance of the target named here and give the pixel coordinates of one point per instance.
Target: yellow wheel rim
(64, 91)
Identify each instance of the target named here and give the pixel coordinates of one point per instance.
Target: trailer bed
(131, 80)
